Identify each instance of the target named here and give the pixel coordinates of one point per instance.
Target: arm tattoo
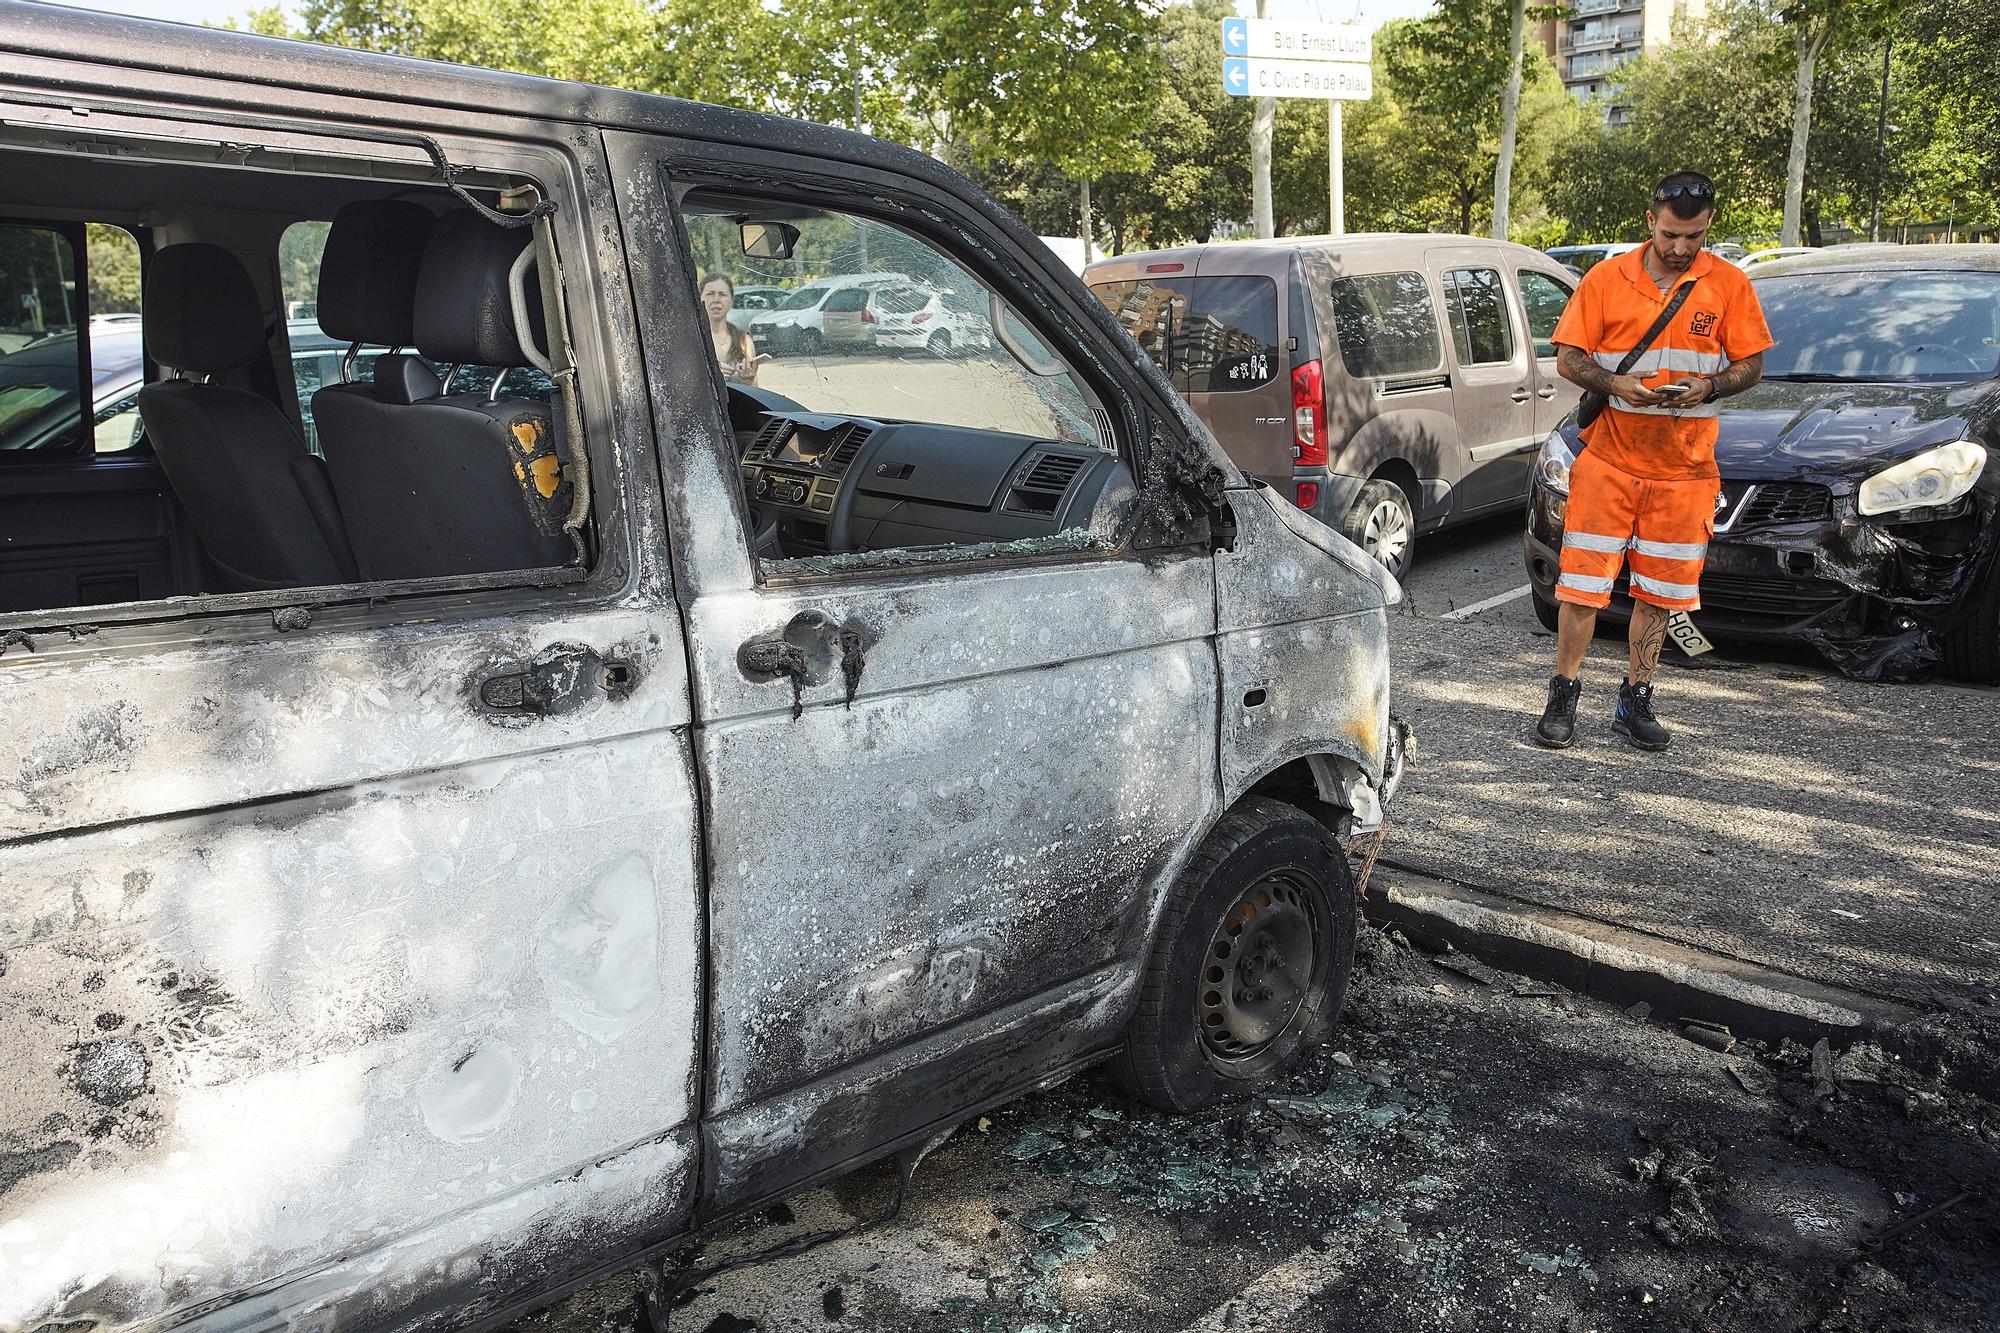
(1739, 375)
(1581, 369)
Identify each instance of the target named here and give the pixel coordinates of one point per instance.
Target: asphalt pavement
(1838, 830)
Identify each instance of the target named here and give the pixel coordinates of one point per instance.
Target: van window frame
(904, 204)
(1432, 302)
(355, 151)
(1456, 318)
(82, 447)
(1522, 273)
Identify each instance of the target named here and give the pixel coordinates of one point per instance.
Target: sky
(1369, 12)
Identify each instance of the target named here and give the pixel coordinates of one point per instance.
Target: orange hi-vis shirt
(1720, 322)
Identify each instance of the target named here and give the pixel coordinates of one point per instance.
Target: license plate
(1681, 629)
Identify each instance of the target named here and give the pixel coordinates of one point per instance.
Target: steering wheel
(1926, 351)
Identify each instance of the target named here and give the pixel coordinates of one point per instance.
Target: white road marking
(1464, 612)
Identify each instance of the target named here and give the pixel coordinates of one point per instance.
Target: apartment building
(1601, 35)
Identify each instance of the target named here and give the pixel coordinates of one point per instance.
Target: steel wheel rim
(1386, 536)
(1259, 968)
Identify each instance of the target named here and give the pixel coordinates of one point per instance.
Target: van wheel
(808, 342)
(1546, 612)
(1252, 962)
(1380, 523)
(939, 344)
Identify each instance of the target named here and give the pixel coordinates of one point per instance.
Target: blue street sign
(1235, 37)
(1235, 76)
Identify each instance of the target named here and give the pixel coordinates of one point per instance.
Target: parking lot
(1483, 1149)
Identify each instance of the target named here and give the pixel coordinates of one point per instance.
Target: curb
(1624, 966)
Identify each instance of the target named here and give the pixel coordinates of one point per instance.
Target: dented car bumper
(1794, 559)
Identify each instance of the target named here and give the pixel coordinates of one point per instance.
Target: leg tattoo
(1649, 636)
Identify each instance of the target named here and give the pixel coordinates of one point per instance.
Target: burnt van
(567, 798)
(1389, 385)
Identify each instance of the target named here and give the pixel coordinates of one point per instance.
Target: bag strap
(1659, 325)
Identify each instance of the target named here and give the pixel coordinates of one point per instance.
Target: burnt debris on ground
(1470, 1151)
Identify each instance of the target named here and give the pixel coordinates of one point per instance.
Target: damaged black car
(1858, 506)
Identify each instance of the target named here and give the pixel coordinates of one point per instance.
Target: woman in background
(734, 351)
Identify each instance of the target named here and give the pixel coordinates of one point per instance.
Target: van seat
(461, 483)
(254, 493)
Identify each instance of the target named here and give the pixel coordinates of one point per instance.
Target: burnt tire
(1381, 522)
(1971, 648)
(1252, 961)
(1546, 612)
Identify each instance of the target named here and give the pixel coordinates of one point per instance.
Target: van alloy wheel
(1260, 969)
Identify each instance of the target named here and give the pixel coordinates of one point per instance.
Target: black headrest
(464, 313)
(201, 311)
(404, 379)
(368, 272)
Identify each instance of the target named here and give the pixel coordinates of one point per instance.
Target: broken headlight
(1934, 477)
(1553, 464)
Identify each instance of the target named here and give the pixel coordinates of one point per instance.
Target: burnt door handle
(1549, 392)
(1519, 395)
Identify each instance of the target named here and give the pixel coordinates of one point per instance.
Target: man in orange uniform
(1647, 482)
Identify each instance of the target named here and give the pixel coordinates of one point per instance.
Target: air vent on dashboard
(770, 438)
(1038, 488)
(846, 443)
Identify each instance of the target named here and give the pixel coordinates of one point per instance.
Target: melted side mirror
(769, 240)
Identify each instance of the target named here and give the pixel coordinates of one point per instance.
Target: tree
(1814, 25)
(1066, 82)
(114, 269)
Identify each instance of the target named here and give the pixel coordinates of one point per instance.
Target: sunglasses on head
(1691, 190)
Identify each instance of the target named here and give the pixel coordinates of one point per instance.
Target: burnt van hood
(1789, 429)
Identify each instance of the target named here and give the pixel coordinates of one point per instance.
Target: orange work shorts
(1664, 524)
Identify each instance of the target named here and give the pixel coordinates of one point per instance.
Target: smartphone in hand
(1673, 390)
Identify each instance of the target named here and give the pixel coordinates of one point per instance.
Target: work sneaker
(1634, 719)
(1557, 729)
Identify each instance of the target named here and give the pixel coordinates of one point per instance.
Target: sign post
(1265, 58)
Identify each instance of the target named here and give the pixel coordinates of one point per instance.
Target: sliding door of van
(352, 967)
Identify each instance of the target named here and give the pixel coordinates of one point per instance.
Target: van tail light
(1309, 415)
(1306, 494)
(868, 314)
(921, 317)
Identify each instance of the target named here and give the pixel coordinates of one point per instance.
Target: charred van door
(353, 971)
(1491, 390)
(942, 785)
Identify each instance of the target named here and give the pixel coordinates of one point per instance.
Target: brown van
(1388, 384)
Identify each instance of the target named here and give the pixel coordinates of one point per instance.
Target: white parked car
(750, 301)
(927, 318)
(1581, 257)
(811, 318)
(1775, 252)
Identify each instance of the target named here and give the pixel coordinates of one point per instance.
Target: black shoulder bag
(1593, 403)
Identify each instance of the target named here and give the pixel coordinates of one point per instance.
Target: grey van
(541, 815)
(1388, 384)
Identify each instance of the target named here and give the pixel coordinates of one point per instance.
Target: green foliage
(1066, 82)
(1031, 98)
(113, 259)
(1736, 74)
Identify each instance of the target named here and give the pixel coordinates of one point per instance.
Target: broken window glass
(891, 407)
